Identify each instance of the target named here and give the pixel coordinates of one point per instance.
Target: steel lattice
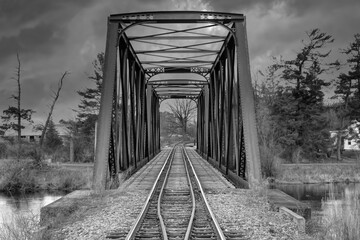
(153, 56)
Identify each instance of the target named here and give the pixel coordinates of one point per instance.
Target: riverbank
(318, 173)
(25, 176)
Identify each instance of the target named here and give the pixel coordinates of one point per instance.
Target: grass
(24, 176)
(341, 220)
(20, 227)
(319, 173)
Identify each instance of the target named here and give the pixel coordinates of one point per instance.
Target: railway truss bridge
(153, 56)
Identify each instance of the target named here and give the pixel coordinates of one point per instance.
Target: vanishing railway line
(176, 207)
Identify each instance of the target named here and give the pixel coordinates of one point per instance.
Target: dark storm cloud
(327, 7)
(38, 40)
(36, 26)
(150, 1)
(296, 7)
(20, 11)
(36, 92)
(236, 5)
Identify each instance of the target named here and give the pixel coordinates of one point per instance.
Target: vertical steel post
(206, 120)
(104, 122)
(149, 103)
(212, 126)
(132, 130)
(230, 76)
(247, 105)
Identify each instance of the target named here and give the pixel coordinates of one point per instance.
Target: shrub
(18, 177)
(27, 176)
(28, 150)
(67, 180)
(270, 163)
(3, 150)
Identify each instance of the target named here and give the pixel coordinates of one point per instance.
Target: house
(350, 136)
(352, 140)
(30, 134)
(27, 134)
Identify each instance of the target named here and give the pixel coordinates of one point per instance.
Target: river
(317, 195)
(334, 207)
(25, 204)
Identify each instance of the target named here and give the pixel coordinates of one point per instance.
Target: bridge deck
(118, 209)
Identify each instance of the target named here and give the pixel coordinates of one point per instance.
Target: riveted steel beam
(104, 122)
(176, 17)
(247, 105)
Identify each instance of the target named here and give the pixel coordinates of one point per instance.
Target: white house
(352, 140)
(351, 136)
(29, 134)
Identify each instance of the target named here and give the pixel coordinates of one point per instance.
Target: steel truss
(145, 54)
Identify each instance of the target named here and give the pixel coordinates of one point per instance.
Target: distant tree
(82, 130)
(55, 97)
(167, 126)
(348, 84)
(183, 110)
(14, 114)
(348, 90)
(52, 138)
(90, 103)
(89, 107)
(83, 148)
(299, 105)
(265, 94)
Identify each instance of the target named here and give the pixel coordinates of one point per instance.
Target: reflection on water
(335, 208)
(315, 194)
(24, 204)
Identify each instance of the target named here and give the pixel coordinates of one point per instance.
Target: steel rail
(161, 220)
(216, 224)
(163, 227)
(135, 227)
(189, 228)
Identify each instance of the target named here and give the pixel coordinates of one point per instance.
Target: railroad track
(176, 207)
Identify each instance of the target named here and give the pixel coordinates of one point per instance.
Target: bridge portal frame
(128, 129)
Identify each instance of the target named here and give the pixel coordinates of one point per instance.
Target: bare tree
(13, 115)
(18, 98)
(184, 110)
(55, 97)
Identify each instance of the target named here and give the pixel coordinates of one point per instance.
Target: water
(316, 194)
(335, 208)
(25, 204)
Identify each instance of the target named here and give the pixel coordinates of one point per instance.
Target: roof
(352, 131)
(30, 131)
(168, 44)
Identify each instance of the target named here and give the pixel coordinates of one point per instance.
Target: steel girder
(128, 130)
(209, 51)
(227, 131)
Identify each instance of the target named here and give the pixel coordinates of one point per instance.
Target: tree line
(81, 130)
(79, 142)
(13, 117)
(293, 117)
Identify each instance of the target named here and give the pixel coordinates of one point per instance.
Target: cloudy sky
(53, 36)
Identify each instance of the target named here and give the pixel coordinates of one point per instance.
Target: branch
(55, 98)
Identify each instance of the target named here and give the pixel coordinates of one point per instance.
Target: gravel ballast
(248, 212)
(236, 210)
(114, 212)
(101, 215)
